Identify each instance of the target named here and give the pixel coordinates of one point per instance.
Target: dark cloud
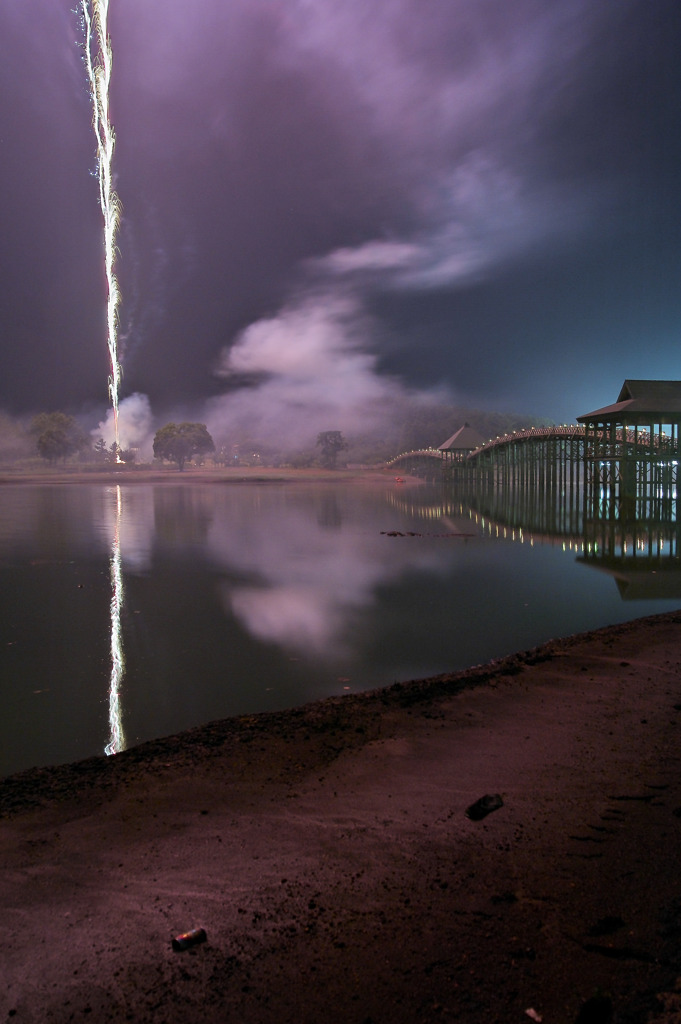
(336, 202)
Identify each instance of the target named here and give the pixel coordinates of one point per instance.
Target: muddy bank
(197, 475)
(328, 854)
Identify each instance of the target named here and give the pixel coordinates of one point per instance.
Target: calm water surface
(252, 597)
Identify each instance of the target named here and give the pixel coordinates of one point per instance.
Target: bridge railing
(433, 453)
(573, 430)
(606, 444)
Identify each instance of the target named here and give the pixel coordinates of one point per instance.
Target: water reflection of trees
(183, 515)
(329, 514)
(54, 523)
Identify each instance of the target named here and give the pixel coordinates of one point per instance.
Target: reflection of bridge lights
(116, 737)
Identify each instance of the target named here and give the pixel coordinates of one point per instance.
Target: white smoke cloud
(438, 110)
(315, 363)
(314, 373)
(370, 257)
(472, 220)
(135, 426)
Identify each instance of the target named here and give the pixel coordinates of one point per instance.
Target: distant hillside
(408, 426)
(429, 427)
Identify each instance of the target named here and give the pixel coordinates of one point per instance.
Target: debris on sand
(484, 806)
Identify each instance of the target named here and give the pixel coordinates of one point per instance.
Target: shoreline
(41, 783)
(327, 852)
(33, 786)
(199, 475)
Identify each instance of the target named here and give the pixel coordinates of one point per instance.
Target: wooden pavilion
(631, 451)
(459, 446)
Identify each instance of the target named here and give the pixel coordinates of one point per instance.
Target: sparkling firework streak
(97, 51)
(116, 737)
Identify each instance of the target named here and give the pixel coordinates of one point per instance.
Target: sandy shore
(328, 855)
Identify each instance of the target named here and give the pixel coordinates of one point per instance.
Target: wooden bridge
(543, 435)
(618, 471)
(533, 456)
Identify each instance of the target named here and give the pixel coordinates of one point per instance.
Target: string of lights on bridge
(566, 430)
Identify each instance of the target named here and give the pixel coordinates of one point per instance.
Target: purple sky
(328, 204)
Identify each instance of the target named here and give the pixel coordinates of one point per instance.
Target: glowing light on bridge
(116, 736)
(98, 60)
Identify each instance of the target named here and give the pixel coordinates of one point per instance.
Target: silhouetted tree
(57, 436)
(100, 449)
(331, 443)
(180, 442)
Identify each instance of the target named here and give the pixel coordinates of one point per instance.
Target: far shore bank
(199, 475)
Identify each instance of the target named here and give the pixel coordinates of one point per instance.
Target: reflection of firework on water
(97, 51)
(116, 738)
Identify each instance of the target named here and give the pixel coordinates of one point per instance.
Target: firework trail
(97, 49)
(116, 737)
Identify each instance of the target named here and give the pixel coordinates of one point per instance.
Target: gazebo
(631, 450)
(459, 446)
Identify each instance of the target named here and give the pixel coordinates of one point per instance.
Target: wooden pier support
(632, 453)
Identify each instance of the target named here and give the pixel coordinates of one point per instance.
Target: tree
(57, 436)
(180, 442)
(100, 450)
(331, 442)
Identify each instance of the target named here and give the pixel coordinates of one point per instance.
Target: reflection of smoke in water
(116, 737)
(97, 50)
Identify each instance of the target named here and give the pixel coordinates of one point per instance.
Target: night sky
(327, 205)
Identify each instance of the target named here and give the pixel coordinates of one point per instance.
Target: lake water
(239, 598)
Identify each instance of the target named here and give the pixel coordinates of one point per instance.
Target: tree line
(57, 437)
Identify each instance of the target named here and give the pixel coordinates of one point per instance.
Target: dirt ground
(327, 853)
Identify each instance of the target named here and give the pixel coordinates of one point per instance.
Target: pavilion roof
(465, 439)
(642, 401)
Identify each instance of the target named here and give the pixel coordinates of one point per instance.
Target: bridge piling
(613, 472)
